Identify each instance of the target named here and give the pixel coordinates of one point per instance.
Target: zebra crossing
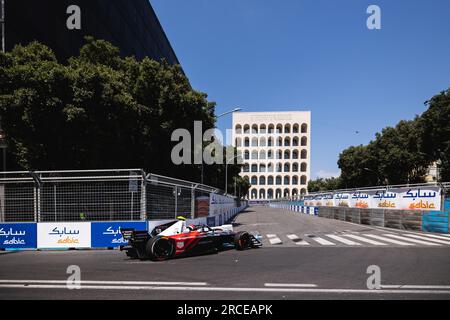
(356, 239)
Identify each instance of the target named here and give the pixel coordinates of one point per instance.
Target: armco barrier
(64, 235)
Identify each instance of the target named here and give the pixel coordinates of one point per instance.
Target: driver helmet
(191, 227)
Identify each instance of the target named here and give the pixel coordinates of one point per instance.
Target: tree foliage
(402, 154)
(97, 111)
(324, 184)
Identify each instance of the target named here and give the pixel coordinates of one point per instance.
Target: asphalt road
(303, 257)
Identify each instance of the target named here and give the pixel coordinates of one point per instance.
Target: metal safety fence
(97, 195)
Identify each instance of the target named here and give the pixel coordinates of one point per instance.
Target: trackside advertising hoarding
(108, 235)
(64, 235)
(421, 198)
(18, 235)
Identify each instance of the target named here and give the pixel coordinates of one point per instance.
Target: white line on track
(271, 235)
(426, 238)
(411, 240)
(151, 283)
(228, 289)
(291, 285)
(430, 235)
(401, 286)
(323, 241)
(275, 240)
(401, 243)
(343, 240)
(292, 236)
(362, 239)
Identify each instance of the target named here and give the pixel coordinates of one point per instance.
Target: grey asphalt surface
(243, 275)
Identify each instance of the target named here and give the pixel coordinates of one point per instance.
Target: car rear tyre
(159, 249)
(242, 240)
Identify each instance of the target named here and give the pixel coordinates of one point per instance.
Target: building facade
(275, 148)
(131, 25)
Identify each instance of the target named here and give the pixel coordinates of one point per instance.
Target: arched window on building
(246, 129)
(286, 180)
(238, 129)
(304, 154)
(262, 181)
(262, 194)
(295, 128)
(254, 181)
(303, 180)
(303, 167)
(255, 129)
(262, 129)
(287, 167)
(287, 128)
(270, 180)
(278, 180)
(304, 141)
(304, 128)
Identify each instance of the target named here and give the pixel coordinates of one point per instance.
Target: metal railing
(96, 195)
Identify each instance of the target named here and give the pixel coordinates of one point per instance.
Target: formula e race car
(175, 239)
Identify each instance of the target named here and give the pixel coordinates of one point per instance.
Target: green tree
(435, 130)
(97, 111)
(324, 184)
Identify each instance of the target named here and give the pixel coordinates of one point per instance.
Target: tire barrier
(416, 220)
(85, 235)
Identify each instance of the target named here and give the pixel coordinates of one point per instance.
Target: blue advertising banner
(107, 234)
(211, 221)
(18, 235)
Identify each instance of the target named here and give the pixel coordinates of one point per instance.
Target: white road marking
(362, 239)
(426, 238)
(297, 240)
(401, 243)
(271, 235)
(323, 241)
(291, 285)
(430, 235)
(402, 286)
(228, 289)
(275, 240)
(151, 283)
(343, 240)
(292, 236)
(411, 240)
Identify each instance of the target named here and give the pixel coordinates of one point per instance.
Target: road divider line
(228, 289)
(401, 243)
(428, 239)
(343, 240)
(291, 285)
(411, 240)
(151, 283)
(362, 239)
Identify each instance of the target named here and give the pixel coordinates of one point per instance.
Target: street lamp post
(226, 172)
(217, 117)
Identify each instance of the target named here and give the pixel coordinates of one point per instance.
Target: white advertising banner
(64, 235)
(220, 204)
(423, 198)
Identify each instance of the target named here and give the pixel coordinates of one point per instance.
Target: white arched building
(276, 151)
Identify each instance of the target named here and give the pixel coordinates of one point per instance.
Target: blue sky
(318, 55)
